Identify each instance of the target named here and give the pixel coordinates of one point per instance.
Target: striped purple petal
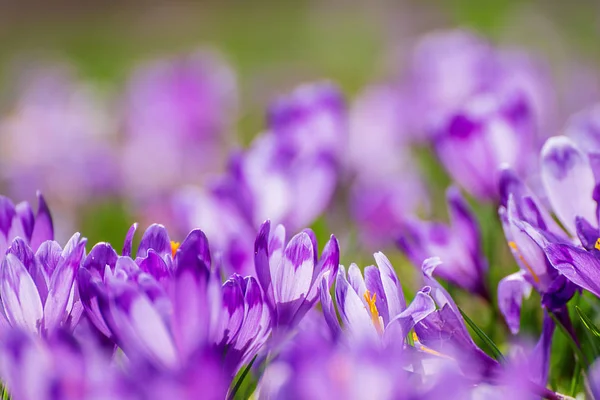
(43, 228)
(20, 298)
(155, 238)
(61, 288)
(293, 276)
(128, 243)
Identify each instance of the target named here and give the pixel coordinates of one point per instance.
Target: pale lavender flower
(386, 186)
(459, 243)
(373, 307)
(57, 139)
(290, 273)
(37, 290)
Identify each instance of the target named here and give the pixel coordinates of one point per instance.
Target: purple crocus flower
(373, 307)
(290, 274)
(20, 221)
(178, 118)
(494, 129)
(287, 175)
(202, 377)
(308, 121)
(167, 304)
(525, 370)
(444, 331)
(230, 233)
(460, 243)
(54, 114)
(37, 290)
(58, 367)
(449, 68)
(565, 169)
(246, 321)
(363, 370)
(527, 227)
(385, 191)
(584, 129)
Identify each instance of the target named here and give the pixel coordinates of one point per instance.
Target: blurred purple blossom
(459, 243)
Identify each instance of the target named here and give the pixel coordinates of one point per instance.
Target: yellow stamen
(536, 278)
(373, 310)
(427, 350)
(174, 247)
(597, 245)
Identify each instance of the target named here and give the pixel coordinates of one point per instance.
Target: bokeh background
(275, 45)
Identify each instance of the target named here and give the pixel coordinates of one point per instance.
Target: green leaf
(592, 332)
(587, 322)
(496, 353)
(581, 358)
(240, 380)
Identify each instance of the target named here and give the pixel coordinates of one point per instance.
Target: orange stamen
(373, 310)
(174, 247)
(536, 278)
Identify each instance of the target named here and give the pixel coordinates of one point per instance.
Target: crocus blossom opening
(377, 320)
(174, 247)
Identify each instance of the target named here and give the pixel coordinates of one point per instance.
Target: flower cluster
(240, 299)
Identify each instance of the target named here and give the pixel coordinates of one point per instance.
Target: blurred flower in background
(179, 119)
(57, 137)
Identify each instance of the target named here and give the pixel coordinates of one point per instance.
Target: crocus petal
(375, 286)
(60, 288)
(294, 274)
(438, 292)
(526, 250)
(579, 266)
(463, 222)
(329, 310)
(594, 377)
(261, 259)
(356, 280)
(529, 207)
(156, 238)
(587, 234)
(252, 319)
(251, 335)
(569, 181)
(34, 265)
(191, 312)
(23, 252)
(539, 360)
(391, 285)
(511, 291)
(154, 265)
(88, 293)
(42, 229)
(101, 255)
(128, 243)
(124, 267)
(194, 250)
(16, 228)
(21, 300)
(315, 181)
(7, 213)
(141, 327)
(355, 316)
(418, 309)
(233, 305)
(327, 266)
